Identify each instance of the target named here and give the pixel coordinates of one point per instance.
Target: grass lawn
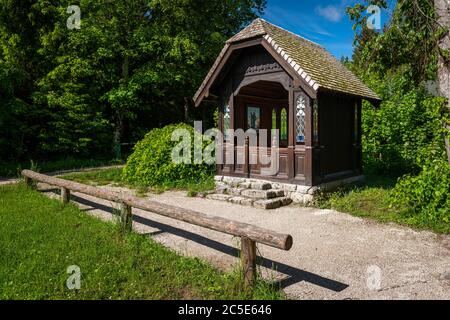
(40, 238)
(114, 176)
(12, 169)
(371, 200)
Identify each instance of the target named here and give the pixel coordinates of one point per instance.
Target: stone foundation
(298, 194)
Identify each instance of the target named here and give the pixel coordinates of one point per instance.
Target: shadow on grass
(376, 181)
(294, 275)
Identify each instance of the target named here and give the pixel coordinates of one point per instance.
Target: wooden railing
(249, 234)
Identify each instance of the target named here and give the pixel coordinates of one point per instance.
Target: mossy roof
(311, 61)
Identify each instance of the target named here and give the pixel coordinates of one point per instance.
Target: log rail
(249, 234)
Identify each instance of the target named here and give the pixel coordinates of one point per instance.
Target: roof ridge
(260, 20)
(255, 24)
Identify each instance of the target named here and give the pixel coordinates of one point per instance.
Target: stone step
(242, 201)
(218, 196)
(235, 191)
(266, 204)
(261, 186)
(262, 194)
(271, 204)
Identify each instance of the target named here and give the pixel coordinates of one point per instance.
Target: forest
(134, 65)
(130, 67)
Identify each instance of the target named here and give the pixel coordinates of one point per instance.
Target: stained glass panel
(301, 117)
(226, 121)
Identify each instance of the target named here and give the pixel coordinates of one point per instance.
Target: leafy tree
(128, 69)
(20, 66)
(407, 133)
(416, 38)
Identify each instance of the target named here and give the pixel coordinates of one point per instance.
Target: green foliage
(406, 134)
(127, 70)
(411, 27)
(33, 263)
(151, 163)
(427, 194)
(374, 200)
(405, 131)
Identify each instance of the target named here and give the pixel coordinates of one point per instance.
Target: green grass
(12, 169)
(98, 177)
(40, 238)
(113, 176)
(371, 200)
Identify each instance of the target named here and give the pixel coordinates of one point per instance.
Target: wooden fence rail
(249, 234)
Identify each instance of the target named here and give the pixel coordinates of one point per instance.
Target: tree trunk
(118, 132)
(119, 125)
(442, 8)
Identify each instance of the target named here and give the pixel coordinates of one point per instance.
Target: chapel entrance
(262, 106)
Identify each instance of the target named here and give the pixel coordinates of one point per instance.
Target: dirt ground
(334, 256)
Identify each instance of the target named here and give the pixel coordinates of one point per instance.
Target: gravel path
(335, 255)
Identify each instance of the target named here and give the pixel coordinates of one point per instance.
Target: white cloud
(330, 12)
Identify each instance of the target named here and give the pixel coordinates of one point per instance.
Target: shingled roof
(310, 60)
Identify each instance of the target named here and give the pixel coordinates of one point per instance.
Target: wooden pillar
(221, 144)
(126, 217)
(248, 260)
(291, 136)
(247, 156)
(65, 195)
(360, 152)
(309, 161)
(316, 150)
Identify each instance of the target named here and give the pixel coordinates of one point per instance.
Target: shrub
(405, 132)
(427, 194)
(151, 162)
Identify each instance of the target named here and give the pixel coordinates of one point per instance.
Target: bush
(405, 132)
(151, 162)
(427, 194)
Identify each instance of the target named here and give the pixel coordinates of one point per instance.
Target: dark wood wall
(340, 146)
(253, 77)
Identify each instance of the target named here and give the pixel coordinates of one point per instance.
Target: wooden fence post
(65, 195)
(29, 182)
(249, 234)
(248, 260)
(126, 216)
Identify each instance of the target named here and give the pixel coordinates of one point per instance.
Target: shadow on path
(295, 275)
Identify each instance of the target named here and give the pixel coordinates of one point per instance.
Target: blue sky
(324, 22)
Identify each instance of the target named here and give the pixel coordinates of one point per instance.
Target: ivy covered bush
(151, 162)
